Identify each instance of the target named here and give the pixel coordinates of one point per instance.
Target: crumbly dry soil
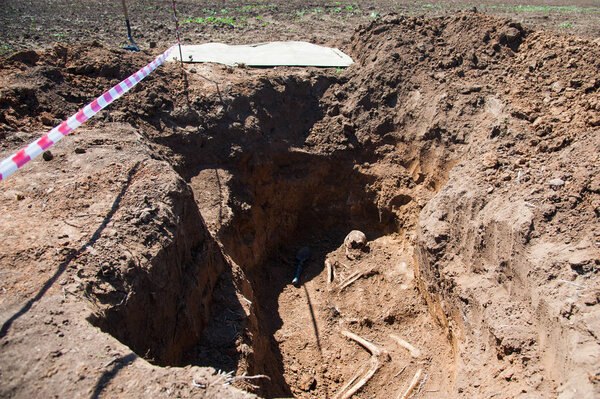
(153, 254)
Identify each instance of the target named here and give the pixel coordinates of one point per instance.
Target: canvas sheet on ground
(265, 54)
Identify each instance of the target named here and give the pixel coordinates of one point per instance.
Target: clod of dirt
(47, 156)
(28, 57)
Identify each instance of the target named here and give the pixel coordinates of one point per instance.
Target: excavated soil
(153, 253)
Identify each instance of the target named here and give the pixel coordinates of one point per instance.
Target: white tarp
(264, 54)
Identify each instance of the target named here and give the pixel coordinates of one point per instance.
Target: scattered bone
(412, 385)
(374, 364)
(355, 276)
(375, 351)
(400, 372)
(370, 373)
(348, 384)
(414, 352)
(330, 271)
(422, 383)
(352, 278)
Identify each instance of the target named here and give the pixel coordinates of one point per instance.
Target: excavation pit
(260, 199)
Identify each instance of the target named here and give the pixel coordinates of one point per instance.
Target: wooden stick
(414, 352)
(412, 385)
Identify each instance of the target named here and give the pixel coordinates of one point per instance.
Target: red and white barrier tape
(15, 161)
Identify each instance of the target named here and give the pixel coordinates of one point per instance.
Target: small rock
(490, 161)
(579, 259)
(591, 298)
(152, 44)
(47, 155)
(556, 183)
(594, 185)
(512, 35)
(506, 176)
(596, 206)
(496, 130)
(20, 197)
(308, 383)
(548, 211)
(441, 76)
(46, 119)
(145, 215)
(56, 353)
(557, 87)
(79, 150)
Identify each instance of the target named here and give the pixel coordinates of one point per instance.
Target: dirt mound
(463, 146)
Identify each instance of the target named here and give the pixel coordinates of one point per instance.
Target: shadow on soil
(117, 365)
(71, 256)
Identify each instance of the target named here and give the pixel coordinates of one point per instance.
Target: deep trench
(271, 198)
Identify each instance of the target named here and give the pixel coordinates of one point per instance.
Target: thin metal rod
(177, 32)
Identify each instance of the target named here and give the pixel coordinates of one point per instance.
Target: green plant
(565, 25)
(544, 8)
(210, 20)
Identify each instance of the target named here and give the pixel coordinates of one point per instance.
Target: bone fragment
(414, 352)
(412, 385)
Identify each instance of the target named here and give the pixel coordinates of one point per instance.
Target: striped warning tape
(15, 161)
